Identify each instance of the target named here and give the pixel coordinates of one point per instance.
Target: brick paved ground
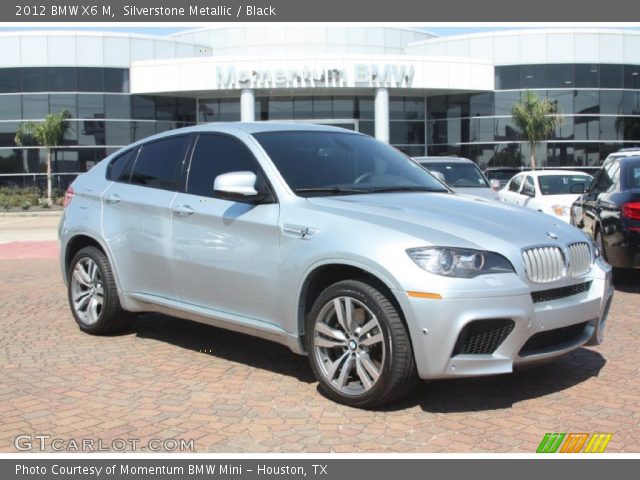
(247, 395)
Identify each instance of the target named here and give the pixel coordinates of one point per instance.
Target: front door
(224, 253)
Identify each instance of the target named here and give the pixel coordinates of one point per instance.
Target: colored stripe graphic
(550, 443)
(574, 442)
(598, 442)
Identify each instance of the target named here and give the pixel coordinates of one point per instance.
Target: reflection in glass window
(533, 76)
(587, 75)
(9, 80)
(508, 77)
(632, 76)
(611, 101)
(586, 101)
(116, 80)
(35, 106)
(10, 107)
(35, 80)
(406, 133)
(504, 102)
(143, 107)
(63, 79)
(90, 79)
(560, 76)
(586, 127)
(91, 106)
(63, 101)
(118, 133)
(322, 107)
(610, 76)
(118, 106)
(344, 107)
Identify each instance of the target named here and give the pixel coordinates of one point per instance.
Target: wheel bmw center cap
(352, 345)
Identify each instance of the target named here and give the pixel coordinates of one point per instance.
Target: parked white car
(548, 191)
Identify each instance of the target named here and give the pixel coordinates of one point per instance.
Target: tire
(357, 366)
(93, 296)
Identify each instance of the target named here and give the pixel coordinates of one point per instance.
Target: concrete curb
(27, 213)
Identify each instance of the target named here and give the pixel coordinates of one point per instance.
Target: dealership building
(422, 93)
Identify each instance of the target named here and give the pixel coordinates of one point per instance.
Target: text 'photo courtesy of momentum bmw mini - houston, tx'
(333, 244)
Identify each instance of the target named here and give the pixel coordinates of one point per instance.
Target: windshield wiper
(406, 188)
(332, 190)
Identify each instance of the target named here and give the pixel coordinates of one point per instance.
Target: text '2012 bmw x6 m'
(334, 244)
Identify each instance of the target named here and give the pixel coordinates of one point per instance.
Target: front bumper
(435, 326)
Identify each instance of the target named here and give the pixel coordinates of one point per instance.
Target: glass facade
(104, 117)
(600, 104)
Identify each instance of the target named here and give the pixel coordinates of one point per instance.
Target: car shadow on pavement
(626, 280)
(503, 391)
(223, 344)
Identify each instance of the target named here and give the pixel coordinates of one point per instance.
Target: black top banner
(317, 11)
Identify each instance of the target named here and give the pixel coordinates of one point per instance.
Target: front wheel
(358, 346)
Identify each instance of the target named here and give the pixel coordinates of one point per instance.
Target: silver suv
(333, 244)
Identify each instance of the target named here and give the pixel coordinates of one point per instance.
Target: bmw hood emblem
(552, 235)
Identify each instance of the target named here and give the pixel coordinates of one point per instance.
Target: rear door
(224, 254)
(137, 218)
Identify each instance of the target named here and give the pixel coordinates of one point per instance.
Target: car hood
(485, 192)
(450, 219)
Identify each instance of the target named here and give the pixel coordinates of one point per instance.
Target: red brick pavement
(35, 250)
(171, 379)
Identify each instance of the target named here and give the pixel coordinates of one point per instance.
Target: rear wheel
(93, 295)
(358, 346)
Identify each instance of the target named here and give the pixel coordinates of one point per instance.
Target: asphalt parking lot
(171, 379)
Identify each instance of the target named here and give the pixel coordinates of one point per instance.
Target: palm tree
(536, 119)
(49, 134)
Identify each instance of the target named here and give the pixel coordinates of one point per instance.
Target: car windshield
(319, 163)
(561, 184)
(458, 175)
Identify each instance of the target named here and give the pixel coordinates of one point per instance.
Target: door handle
(183, 210)
(112, 198)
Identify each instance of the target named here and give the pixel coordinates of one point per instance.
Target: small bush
(18, 198)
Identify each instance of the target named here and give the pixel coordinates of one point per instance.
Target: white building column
(247, 105)
(381, 111)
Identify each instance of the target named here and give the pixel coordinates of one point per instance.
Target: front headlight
(459, 262)
(560, 210)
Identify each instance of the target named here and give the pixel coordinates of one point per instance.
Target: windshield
(459, 175)
(561, 184)
(317, 163)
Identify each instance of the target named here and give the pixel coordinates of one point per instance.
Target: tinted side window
(117, 169)
(529, 187)
(214, 155)
(514, 186)
(159, 163)
(604, 180)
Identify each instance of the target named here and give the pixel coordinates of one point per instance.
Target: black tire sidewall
(355, 290)
(103, 264)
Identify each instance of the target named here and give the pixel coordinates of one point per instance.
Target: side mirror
(577, 188)
(495, 184)
(237, 186)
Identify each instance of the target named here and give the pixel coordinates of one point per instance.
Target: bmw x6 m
(333, 244)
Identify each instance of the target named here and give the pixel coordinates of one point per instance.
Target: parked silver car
(461, 175)
(333, 244)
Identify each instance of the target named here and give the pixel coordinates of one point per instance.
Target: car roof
(537, 173)
(248, 127)
(442, 160)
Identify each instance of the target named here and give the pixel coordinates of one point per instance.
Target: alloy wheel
(349, 345)
(87, 291)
